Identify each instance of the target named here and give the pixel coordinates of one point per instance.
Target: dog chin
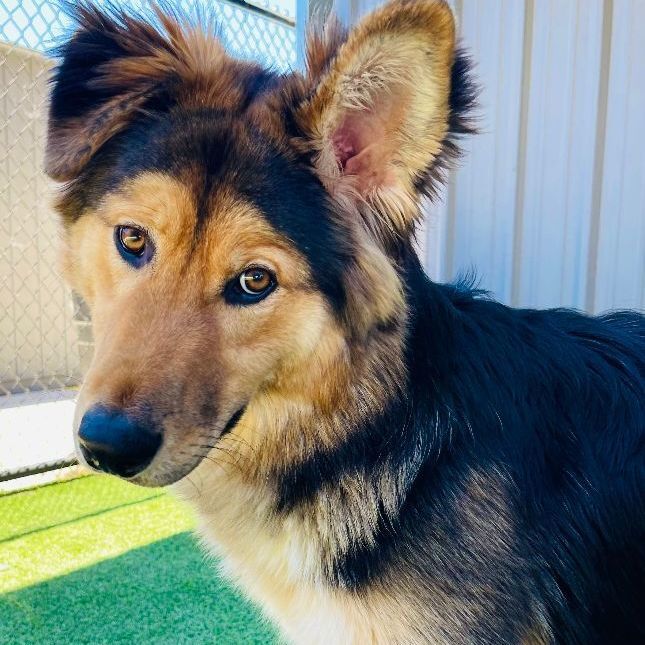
(165, 473)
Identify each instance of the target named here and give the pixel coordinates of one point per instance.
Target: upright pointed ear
(379, 117)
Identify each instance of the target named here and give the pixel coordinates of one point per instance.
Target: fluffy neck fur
(323, 461)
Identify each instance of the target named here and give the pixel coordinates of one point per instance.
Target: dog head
(236, 232)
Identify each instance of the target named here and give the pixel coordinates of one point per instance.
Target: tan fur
(185, 282)
(277, 563)
(323, 43)
(307, 378)
(296, 390)
(391, 76)
(536, 637)
(189, 55)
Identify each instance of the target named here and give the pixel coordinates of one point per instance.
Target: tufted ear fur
(117, 64)
(380, 118)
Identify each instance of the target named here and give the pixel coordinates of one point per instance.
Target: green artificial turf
(96, 560)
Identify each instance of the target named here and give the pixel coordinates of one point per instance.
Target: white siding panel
(559, 150)
(620, 267)
(436, 231)
(482, 203)
(548, 206)
(432, 237)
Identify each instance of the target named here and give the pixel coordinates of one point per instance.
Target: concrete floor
(34, 428)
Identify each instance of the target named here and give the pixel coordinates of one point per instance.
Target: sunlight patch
(54, 531)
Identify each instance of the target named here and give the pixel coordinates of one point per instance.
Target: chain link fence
(91, 550)
(45, 331)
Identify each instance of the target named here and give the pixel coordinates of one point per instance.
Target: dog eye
(133, 244)
(255, 281)
(132, 239)
(250, 286)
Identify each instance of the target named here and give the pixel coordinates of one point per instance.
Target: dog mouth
(232, 422)
(174, 475)
(227, 429)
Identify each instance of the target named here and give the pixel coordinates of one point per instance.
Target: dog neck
(325, 458)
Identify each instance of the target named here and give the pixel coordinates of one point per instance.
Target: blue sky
(39, 24)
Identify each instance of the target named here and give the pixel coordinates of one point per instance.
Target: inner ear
(363, 141)
(379, 116)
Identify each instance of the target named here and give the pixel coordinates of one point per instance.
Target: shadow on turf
(78, 518)
(160, 593)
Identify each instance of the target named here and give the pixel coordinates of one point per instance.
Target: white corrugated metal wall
(548, 206)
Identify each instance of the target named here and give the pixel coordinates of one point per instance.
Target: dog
(373, 457)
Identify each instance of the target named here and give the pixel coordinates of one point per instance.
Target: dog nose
(115, 443)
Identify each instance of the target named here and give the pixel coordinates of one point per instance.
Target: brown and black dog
(374, 457)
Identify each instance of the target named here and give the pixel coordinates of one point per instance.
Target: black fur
(461, 121)
(232, 153)
(228, 152)
(546, 406)
(72, 92)
(223, 146)
(551, 404)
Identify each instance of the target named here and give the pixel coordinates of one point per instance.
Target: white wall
(548, 205)
(38, 344)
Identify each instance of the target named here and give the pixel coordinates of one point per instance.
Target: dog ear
(379, 114)
(113, 65)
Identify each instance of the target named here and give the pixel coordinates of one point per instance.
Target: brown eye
(255, 281)
(250, 286)
(133, 240)
(133, 245)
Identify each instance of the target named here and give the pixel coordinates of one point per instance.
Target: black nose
(115, 443)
